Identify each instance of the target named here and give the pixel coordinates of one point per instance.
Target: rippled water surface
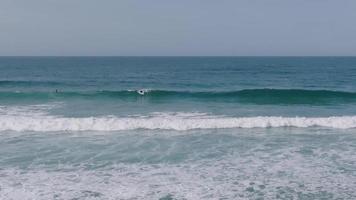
(177, 127)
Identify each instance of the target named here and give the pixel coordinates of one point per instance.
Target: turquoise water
(177, 127)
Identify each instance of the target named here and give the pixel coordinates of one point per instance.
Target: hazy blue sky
(180, 27)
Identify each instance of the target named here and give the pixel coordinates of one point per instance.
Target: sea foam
(167, 121)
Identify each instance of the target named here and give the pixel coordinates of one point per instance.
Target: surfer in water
(141, 92)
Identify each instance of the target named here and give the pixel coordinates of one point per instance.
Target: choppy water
(177, 127)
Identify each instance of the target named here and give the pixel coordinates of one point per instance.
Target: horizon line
(177, 56)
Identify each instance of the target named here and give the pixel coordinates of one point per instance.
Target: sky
(177, 28)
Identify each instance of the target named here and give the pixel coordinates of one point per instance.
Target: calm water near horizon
(177, 127)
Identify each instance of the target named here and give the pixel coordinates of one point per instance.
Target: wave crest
(166, 121)
(254, 96)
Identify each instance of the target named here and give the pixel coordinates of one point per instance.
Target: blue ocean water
(177, 127)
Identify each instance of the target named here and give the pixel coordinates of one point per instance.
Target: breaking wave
(167, 121)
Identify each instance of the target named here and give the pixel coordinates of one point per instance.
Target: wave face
(254, 96)
(166, 121)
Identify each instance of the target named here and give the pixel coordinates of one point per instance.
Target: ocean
(177, 128)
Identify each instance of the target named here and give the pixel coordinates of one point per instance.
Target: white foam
(167, 121)
(28, 110)
(251, 176)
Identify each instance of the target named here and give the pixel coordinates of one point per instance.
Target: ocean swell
(254, 96)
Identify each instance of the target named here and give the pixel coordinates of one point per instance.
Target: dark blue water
(177, 73)
(177, 127)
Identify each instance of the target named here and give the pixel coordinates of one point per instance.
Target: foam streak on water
(286, 175)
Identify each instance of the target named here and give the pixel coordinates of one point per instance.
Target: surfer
(141, 91)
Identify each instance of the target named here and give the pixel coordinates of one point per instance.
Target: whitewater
(167, 122)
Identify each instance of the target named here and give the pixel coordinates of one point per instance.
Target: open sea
(177, 128)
